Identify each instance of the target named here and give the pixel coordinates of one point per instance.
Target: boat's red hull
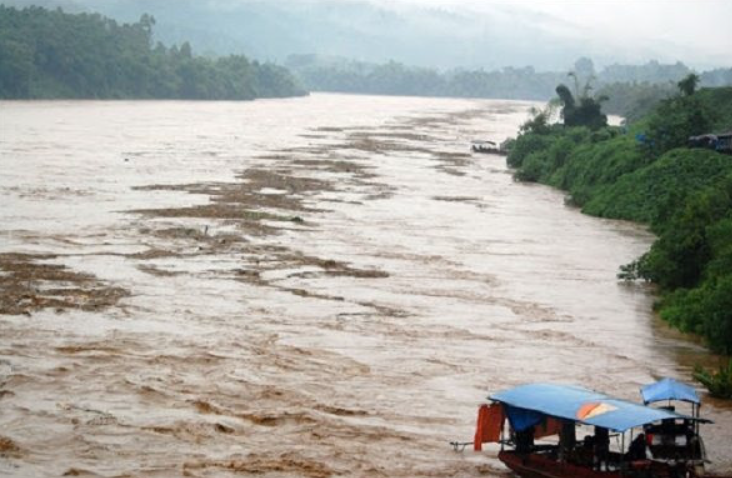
(537, 466)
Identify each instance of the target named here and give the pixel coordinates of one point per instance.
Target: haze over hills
(488, 37)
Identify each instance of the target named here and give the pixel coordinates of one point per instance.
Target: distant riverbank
(48, 54)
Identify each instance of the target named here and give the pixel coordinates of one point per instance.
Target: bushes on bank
(718, 383)
(648, 194)
(646, 174)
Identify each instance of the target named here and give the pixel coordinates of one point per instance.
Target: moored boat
(669, 440)
(557, 431)
(488, 147)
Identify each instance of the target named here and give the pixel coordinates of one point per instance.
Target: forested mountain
(491, 37)
(52, 54)
(369, 47)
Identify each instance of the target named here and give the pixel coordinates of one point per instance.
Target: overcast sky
(692, 27)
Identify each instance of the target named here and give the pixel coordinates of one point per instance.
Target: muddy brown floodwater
(317, 287)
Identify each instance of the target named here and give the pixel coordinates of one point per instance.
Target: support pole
(622, 452)
(503, 429)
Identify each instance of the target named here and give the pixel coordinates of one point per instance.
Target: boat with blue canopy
(552, 431)
(669, 389)
(667, 440)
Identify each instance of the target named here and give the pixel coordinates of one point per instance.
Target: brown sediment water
(323, 286)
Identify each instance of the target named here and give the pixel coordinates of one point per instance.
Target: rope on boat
(459, 446)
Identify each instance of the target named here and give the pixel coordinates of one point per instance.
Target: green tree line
(647, 173)
(393, 78)
(633, 90)
(52, 54)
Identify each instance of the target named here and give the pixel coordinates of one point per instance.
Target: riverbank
(336, 306)
(49, 54)
(645, 173)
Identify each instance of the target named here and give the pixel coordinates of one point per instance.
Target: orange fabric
(489, 425)
(548, 427)
(586, 409)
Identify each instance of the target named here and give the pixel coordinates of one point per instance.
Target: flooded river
(316, 287)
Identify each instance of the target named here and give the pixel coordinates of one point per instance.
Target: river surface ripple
(312, 287)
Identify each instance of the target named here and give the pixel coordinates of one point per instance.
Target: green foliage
(651, 72)
(632, 89)
(51, 54)
(539, 122)
(633, 101)
(533, 168)
(567, 99)
(588, 113)
(692, 259)
(684, 194)
(676, 119)
(688, 85)
(583, 110)
(678, 258)
(648, 194)
(719, 383)
(720, 246)
(527, 144)
(594, 164)
(393, 78)
(718, 103)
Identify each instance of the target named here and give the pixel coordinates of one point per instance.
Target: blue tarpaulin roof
(669, 389)
(580, 405)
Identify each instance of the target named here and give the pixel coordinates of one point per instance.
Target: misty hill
(368, 31)
(362, 47)
(630, 88)
(51, 54)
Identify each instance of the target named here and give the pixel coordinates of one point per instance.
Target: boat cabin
(488, 147)
(721, 143)
(554, 431)
(673, 439)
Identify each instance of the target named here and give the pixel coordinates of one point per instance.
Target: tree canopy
(633, 90)
(583, 110)
(52, 54)
(688, 84)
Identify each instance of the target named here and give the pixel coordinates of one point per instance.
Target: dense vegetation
(441, 37)
(580, 109)
(719, 382)
(632, 90)
(392, 78)
(646, 173)
(52, 54)
(633, 101)
(277, 28)
(433, 36)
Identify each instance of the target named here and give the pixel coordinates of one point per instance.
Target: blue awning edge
(669, 389)
(583, 406)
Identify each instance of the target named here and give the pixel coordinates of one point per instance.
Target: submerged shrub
(718, 383)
